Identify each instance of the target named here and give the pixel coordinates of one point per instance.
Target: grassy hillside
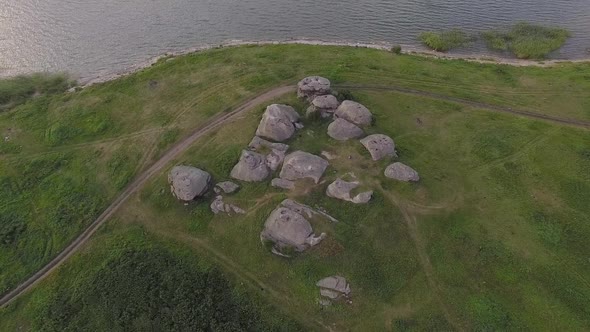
(492, 235)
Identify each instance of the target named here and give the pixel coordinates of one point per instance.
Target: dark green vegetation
(527, 41)
(15, 91)
(144, 286)
(501, 212)
(445, 40)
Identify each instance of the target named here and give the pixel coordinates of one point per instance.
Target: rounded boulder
(355, 113)
(188, 183)
(379, 146)
(402, 172)
(278, 123)
(313, 86)
(343, 130)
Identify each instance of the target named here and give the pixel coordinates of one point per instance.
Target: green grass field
(492, 236)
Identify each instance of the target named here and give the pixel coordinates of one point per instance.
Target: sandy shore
(406, 49)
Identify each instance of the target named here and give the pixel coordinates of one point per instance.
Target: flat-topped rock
(333, 287)
(300, 164)
(401, 172)
(343, 130)
(188, 183)
(379, 146)
(341, 189)
(287, 228)
(278, 122)
(313, 86)
(324, 105)
(226, 187)
(251, 167)
(354, 112)
(258, 143)
(326, 102)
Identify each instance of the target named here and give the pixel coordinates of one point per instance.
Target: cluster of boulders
(288, 229)
(188, 183)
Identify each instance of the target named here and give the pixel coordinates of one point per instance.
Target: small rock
(401, 172)
(251, 167)
(282, 183)
(218, 206)
(355, 113)
(226, 187)
(299, 165)
(379, 146)
(341, 189)
(313, 86)
(363, 198)
(328, 155)
(343, 130)
(257, 143)
(333, 287)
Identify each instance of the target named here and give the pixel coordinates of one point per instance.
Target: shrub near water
(17, 90)
(527, 41)
(445, 40)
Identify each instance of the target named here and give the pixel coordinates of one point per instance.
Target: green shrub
(495, 40)
(527, 41)
(445, 40)
(396, 49)
(17, 90)
(12, 225)
(151, 290)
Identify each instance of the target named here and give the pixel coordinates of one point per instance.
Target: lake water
(90, 38)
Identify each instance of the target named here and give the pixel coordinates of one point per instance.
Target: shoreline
(383, 46)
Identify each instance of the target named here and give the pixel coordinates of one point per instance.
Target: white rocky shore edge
(406, 49)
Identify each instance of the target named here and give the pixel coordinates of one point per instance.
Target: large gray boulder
(343, 130)
(355, 113)
(251, 167)
(341, 189)
(299, 165)
(313, 86)
(278, 122)
(324, 105)
(188, 183)
(379, 146)
(401, 172)
(287, 228)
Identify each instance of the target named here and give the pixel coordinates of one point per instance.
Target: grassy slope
(107, 128)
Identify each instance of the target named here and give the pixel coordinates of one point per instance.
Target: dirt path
(175, 151)
(476, 104)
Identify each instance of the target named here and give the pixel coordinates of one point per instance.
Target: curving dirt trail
(175, 151)
(467, 102)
